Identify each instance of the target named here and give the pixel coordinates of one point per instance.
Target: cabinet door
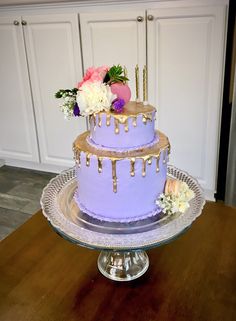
(53, 49)
(186, 56)
(114, 38)
(17, 127)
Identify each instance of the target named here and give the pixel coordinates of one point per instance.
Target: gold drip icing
(134, 122)
(145, 154)
(131, 110)
(92, 119)
(144, 167)
(117, 128)
(126, 126)
(157, 163)
(108, 119)
(99, 164)
(114, 177)
(165, 154)
(99, 120)
(88, 155)
(77, 157)
(132, 168)
(150, 161)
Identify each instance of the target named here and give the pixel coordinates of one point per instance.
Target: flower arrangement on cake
(101, 89)
(176, 197)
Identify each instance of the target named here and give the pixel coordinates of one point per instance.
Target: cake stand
(122, 245)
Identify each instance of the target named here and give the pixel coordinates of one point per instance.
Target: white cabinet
(39, 55)
(17, 124)
(182, 43)
(186, 57)
(54, 56)
(114, 37)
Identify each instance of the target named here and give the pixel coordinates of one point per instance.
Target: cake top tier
(131, 129)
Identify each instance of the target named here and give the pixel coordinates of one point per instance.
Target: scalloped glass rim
(89, 238)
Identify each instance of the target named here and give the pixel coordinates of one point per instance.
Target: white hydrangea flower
(94, 97)
(68, 106)
(172, 203)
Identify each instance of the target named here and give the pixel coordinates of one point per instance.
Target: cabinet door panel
(17, 127)
(186, 51)
(112, 38)
(53, 49)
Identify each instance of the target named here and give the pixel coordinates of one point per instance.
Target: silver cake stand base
(123, 245)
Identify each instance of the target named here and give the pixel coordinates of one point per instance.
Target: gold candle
(137, 82)
(125, 72)
(145, 98)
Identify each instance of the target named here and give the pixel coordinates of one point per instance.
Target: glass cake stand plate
(123, 245)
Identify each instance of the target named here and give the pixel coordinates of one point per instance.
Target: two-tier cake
(121, 162)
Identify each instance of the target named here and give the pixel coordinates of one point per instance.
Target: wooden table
(45, 278)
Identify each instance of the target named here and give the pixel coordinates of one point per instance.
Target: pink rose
(94, 75)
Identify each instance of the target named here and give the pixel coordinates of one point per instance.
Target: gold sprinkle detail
(144, 119)
(114, 177)
(132, 168)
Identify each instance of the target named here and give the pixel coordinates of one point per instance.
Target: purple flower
(118, 105)
(76, 110)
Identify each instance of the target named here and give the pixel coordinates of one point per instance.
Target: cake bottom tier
(121, 190)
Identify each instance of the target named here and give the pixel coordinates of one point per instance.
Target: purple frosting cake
(121, 164)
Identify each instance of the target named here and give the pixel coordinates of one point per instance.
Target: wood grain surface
(45, 278)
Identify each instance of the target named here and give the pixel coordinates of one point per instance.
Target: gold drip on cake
(132, 166)
(114, 177)
(145, 155)
(99, 120)
(92, 119)
(157, 163)
(165, 156)
(99, 164)
(134, 121)
(117, 128)
(126, 125)
(144, 167)
(108, 119)
(77, 158)
(131, 110)
(88, 155)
